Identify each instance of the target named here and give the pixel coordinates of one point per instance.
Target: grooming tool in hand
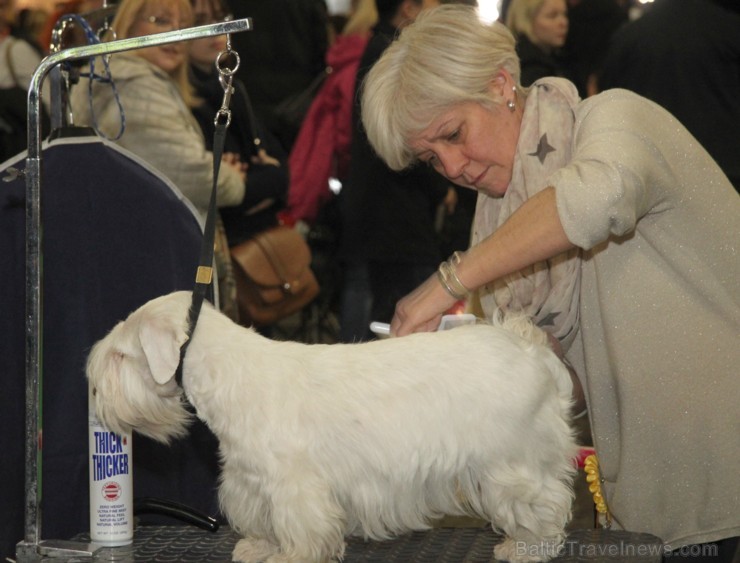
(447, 322)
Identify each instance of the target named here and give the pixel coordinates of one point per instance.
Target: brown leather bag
(273, 276)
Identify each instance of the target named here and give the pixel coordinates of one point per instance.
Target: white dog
(373, 439)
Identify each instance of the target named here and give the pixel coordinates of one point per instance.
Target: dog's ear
(161, 343)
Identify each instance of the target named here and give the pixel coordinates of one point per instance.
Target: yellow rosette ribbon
(593, 478)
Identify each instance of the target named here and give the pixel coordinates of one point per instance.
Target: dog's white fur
(373, 439)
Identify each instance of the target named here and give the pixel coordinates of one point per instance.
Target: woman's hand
(232, 159)
(422, 309)
(263, 158)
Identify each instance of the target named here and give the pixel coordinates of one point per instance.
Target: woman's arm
(533, 233)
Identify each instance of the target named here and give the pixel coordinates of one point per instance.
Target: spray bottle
(111, 483)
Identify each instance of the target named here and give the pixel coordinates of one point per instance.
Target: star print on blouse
(543, 148)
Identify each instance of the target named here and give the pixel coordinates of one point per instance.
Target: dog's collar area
(178, 371)
(193, 313)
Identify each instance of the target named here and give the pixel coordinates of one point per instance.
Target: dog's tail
(522, 325)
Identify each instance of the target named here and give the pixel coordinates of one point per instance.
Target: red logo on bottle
(111, 491)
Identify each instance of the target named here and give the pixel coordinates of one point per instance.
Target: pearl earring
(511, 104)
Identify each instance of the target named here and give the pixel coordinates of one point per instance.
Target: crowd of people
(602, 167)
(389, 229)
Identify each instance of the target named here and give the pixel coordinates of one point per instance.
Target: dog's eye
(94, 391)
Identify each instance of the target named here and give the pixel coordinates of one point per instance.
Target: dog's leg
(253, 550)
(306, 519)
(532, 514)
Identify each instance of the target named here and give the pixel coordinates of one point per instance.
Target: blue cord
(106, 78)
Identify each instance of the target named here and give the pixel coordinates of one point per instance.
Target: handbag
(273, 276)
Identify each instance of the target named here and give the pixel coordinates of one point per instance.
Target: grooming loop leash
(204, 273)
(226, 78)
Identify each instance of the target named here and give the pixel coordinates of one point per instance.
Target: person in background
(156, 98)
(149, 114)
(283, 53)
(540, 28)
(591, 26)
(685, 55)
(322, 148)
(387, 240)
(30, 25)
(247, 141)
(600, 219)
(246, 137)
(18, 62)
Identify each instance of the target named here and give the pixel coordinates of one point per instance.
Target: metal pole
(30, 546)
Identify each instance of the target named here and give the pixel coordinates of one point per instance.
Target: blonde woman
(540, 28)
(156, 98)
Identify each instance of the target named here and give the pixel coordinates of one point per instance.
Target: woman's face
(159, 17)
(203, 51)
(550, 24)
(472, 145)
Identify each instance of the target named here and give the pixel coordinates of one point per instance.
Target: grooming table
(182, 544)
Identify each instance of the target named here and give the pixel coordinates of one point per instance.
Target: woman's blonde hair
(130, 11)
(363, 17)
(448, 56)
(520, 17)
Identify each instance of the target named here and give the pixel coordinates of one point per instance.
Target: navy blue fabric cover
(115, 235)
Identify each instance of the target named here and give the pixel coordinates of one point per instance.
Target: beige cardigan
(159, 128)
(658, 349)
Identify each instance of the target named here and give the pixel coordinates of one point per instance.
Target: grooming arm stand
(31, 547)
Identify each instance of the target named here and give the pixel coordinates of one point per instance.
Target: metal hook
(226, 78)
(224, 111)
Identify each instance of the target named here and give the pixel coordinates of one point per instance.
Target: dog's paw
(253, 550)
(517, 551)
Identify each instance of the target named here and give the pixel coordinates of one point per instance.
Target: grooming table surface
(182, 544)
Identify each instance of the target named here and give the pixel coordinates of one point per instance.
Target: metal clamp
(226, 78)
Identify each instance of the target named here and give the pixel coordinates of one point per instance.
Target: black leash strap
(204, 274)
